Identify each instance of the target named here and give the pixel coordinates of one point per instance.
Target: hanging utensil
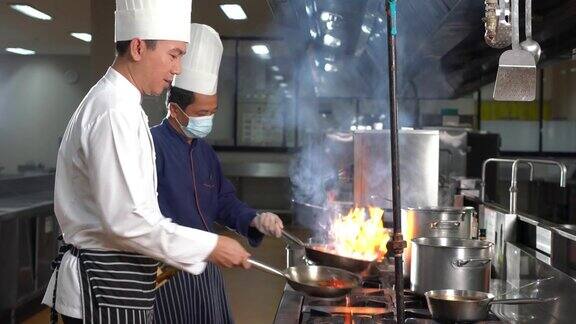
(468, 305)
(316, 281)
(501, 37)
(529, 44)
(516, 78)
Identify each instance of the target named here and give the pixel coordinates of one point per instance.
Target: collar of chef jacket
(124, 86)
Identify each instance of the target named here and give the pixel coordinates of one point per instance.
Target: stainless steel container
(439, 221)
(295, 256)
(450, 263)
(435, 222)
(419, 165)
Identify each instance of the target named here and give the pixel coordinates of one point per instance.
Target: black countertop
(13, 205)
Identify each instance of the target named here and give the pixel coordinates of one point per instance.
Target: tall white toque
(201, 62)
(153, 19)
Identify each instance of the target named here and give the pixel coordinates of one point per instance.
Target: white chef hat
(153, 19)
(201, 62)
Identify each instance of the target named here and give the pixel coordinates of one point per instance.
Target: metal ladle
(529, 44)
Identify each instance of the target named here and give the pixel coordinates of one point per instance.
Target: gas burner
(372, 282)
(319, 301)
(361, 297)
(345, 319)
(414, 301)
(373, 303)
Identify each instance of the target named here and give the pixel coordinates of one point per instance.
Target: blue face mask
(198, 127)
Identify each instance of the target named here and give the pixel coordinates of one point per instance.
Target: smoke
(321, 172)
(342, 87)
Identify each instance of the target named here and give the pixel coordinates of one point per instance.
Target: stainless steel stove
(374, 303)
(367, 305)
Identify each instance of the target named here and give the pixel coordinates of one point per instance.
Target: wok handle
(291, 238)
(266, 268)
(445, 225)
(470, 263)
(523, 301)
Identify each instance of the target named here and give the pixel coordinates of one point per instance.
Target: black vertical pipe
(478, 109)
(236, 61)
(396, 202)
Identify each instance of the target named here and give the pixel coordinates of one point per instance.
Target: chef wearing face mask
(192, 190)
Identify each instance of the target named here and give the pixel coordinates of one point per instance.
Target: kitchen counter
(522, 267)
(28, 226)
(9, 206)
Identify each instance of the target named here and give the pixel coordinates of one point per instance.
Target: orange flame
(360, 234)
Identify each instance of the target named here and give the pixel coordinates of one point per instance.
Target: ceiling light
(331, 41)
(313, 33)
(278, 77)
(329, 67)
(21, 51)
(309, 10)
(30, 11)
(275, 68)
(330, 25)
(83, 36)
(311, 7)
(283, 85)
(260, 49)
(233, 11)
(326, 16)
(366, 29)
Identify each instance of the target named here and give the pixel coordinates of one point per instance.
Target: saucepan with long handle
(468, 305)
(316, 281)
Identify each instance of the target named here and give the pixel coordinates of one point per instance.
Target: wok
(468, 305)
(315, 281)
(317, 253)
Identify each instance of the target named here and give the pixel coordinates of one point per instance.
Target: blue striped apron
(193, 299)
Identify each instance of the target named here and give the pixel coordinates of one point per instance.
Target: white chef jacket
(105, 192)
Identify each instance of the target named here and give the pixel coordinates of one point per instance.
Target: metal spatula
(516, 78)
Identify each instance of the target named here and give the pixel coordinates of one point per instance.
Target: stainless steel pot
(435, 222)
(439, 221)
(450, 263)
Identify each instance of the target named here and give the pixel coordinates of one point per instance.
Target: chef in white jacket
(105, 192)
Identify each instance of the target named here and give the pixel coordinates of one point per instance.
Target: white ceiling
(53, 37)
